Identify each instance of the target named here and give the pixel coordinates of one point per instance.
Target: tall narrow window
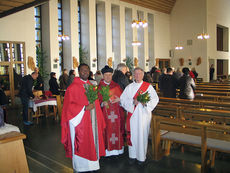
(60, 32)
(222, 38)
(38, 28)
(79, 22)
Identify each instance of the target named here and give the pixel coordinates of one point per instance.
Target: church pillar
(101, 35)
(135, 37)
(50, 37)
(122, 34)
(108, 29)
(128, 33)
(150, 32)
(116, 36)
(88, 30)
(140, 37)
(70, 28)
(146, 44)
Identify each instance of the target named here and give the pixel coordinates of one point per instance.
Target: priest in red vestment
(113, 114)
(82, 135)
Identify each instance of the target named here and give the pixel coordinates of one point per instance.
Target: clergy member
(139, 116)
(82, 137)
(113, 114)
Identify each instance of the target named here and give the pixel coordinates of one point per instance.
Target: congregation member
(194, 72)
(54, 87)
(211, 72)
(186, 85)
(98, 76)
(161, 77)
(178, 73)
(71, 77)
(113, 114)
(39, 81)
(170, 84)
(82, 125)
(155, 74)
(139, 116)
(25, 93)
(63, 79)
(91, 79)
(119, 75)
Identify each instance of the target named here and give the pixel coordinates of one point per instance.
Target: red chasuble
(74, 101)
(114, 118)
(143, 88)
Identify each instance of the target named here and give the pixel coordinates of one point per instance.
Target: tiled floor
(45, 153)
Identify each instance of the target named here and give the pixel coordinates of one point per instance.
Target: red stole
(144, 86)
(114, 118)
(75, 99)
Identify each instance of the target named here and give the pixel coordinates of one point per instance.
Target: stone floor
(45, 153)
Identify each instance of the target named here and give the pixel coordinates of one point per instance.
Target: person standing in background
(211, 72)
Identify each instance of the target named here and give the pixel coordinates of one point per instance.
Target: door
(162, 63)
(12, 67)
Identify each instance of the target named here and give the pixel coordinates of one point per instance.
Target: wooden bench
(12, 153)
(210, 136)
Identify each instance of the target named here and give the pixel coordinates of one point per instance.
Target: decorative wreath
(135, 62)
(110, 62)
(75, 62)
(31, 64)
(181, 60)
(198, 61)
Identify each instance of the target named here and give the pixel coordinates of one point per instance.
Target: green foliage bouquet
(91, 93)
(105, 93)
(143, 98)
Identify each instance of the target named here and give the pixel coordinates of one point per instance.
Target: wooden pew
(12, 153)
(195, 133)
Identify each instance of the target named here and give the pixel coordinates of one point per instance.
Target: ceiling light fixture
(136, 43)
(63, 37)
(203, 36)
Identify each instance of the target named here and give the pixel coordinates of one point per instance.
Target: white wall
(20, 27)
(218, 13)
(188, 19)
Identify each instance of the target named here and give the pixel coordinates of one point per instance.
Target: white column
(122, 33)
(135, 48)
(70, 28)
(116, 35)
(129, 33)
(92, 35)
(101, 35)
(146, 44)
(88, 30)
(50, 37)
(141, 48)
(150, 29)
(108, 29)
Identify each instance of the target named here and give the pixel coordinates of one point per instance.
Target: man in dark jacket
(63, 79)
(170, 84)
(26, 93)
(186, 85)
(119, 76)
(54, 88)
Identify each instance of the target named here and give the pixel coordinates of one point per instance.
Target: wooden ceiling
(164, 6)
(8, 7)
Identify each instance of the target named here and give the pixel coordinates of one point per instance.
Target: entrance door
(12, 67)
(162, 63)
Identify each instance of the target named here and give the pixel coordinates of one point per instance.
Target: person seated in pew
(54, 87)
(186, 85)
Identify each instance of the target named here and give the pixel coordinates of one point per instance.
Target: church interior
(186, 135)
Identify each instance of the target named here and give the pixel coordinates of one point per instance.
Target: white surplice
(140, 120)
(80, 164)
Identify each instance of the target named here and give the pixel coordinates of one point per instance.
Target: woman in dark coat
(186, 85)
(54, 88)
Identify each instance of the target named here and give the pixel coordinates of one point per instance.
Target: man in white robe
(139, 115)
